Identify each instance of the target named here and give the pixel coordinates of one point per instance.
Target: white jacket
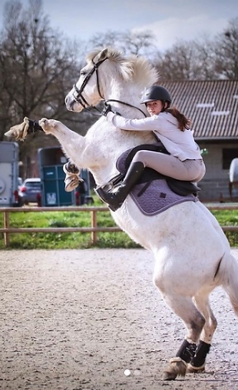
(178, 143)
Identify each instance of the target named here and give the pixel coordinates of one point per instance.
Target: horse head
(110, 76)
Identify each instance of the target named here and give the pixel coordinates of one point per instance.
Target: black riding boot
(115, 199)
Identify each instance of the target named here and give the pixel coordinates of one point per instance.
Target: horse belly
(186, 245)
(189, 258)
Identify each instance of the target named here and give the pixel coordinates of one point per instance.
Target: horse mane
(131, 68)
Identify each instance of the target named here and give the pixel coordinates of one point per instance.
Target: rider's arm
(146, 124)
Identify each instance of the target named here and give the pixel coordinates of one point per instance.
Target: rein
(81, 100)
(125, 104)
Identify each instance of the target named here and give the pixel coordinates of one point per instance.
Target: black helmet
(156, 93)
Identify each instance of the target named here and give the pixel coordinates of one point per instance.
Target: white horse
(192, 254)
(233, 176)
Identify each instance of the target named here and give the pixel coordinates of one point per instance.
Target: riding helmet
(156, 92)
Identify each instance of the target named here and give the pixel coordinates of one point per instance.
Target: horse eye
(83, 73)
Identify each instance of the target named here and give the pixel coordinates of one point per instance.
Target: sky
(170, 21)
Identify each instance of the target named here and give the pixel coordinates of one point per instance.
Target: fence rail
(93, 229)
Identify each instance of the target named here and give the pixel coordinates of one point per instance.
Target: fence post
(94, 225)
(6, 226)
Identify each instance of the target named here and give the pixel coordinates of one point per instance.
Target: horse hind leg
(197, 363)
(228, 274)
(194, 321)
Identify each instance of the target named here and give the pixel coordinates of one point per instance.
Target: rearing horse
(192, 255)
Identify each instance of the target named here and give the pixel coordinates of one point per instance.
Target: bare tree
(140, 43)
(38, 66)
(204, 59)
(177, 63)
(226, 49)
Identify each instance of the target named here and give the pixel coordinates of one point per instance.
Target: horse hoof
(70, 168)
(177, 367)
(168, 375)
(192, 369)
(71, 182)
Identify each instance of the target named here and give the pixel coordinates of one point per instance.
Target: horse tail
(228, 273)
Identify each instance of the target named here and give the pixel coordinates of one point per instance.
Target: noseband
(77, 94)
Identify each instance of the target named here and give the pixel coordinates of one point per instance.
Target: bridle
(77, 93)
(79, 97)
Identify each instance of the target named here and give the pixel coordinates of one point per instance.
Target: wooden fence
(93, 229)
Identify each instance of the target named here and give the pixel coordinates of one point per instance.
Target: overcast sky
(170, 20)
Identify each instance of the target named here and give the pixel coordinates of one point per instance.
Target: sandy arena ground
(77, 319)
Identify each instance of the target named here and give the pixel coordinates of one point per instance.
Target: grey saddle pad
(152, 194)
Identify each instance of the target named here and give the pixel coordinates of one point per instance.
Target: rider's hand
(106, 110)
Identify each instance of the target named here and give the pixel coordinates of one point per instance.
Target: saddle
(179, 187)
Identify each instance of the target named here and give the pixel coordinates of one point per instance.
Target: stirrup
(101, 193)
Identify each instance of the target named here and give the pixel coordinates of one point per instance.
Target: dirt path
(77, 319)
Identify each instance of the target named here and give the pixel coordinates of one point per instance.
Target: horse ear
(103, 54)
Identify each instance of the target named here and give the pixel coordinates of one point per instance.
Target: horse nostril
(71, 106)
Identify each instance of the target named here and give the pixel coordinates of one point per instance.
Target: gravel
(93, 320)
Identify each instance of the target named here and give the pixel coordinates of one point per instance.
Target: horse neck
(108, 143)
(125, 92)
(119, 95)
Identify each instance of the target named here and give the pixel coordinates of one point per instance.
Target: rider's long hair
(183, 122)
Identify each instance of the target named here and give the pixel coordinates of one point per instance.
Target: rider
(172, 128)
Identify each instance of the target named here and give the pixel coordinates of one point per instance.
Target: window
(227, 156)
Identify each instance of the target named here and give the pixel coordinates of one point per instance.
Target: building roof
(211, 105)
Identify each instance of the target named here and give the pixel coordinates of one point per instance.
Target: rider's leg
(188, 170)
(115, 199)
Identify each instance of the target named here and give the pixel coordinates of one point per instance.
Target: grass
(66, 240)
(228, 218)
(83, 240)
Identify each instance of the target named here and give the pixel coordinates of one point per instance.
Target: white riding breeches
(189, 170)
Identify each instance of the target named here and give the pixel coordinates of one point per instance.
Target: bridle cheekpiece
(78, 96)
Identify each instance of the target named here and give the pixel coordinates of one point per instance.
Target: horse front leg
(73, 144)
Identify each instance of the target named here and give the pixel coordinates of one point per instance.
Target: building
(213, 109)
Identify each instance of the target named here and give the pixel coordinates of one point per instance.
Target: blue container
(51, 161)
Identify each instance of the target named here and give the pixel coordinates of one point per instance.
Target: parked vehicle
(30, 191)
(9, 171)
